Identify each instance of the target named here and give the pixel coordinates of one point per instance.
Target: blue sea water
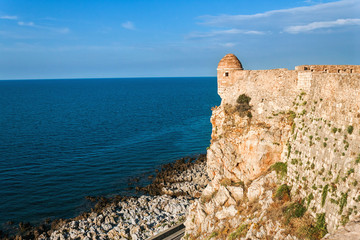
(62, 140)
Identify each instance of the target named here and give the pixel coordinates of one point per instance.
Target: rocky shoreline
(164, 204)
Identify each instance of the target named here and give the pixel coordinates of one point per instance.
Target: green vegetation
(239, 232)
(324, 194)
(293, 126)
(350, 171)
(294, 161)
(244, 105)
(324, 144)
(334, 130)
(280, 168)
(309, 199)
(357, 160)
(225, 182)
(283, 192)
(205, 199)
(289, 149)
(343, 202)
(213, 234)
(291, 115)
(314, 231)
(294, 210)
(243, 98)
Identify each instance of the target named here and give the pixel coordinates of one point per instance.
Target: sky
(51, 39)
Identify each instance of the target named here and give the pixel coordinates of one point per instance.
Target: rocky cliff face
(284, 163)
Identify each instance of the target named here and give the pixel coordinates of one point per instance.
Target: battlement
(329, 68)
(230, 73)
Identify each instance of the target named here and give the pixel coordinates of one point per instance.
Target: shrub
(324, 194)
(357, 160)
(239, 232)
(294, 210)
(289, 150)
(225, 182)
(213, 234)
(350, 129)
(291, 115)
(294, 161)
(293, 126)
(243, 98)
(316, 230)
(343, 202)
(249, 114)
(244, 105)
(283, 192)
(309, 199)
(280, 168)
(350, 171)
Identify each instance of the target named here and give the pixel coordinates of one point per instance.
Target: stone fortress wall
(325, 98)
(308, 119)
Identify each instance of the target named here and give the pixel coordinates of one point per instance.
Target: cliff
(284, 159)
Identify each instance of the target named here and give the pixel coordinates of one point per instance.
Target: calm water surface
(62, 140)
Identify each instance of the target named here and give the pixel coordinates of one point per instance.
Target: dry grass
(225, 182)
(303, 227)
(207, 198)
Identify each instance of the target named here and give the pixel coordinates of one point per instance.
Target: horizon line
(40, 79)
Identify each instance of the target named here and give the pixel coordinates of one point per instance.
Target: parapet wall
(277, 80)
(329, 68)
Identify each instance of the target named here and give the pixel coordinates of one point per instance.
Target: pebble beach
(164, 204)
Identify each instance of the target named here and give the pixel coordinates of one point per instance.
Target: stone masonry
(308, 119)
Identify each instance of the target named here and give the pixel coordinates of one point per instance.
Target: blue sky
(149, 38)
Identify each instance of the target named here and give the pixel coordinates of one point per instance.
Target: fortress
(305, 120)
(230, 71)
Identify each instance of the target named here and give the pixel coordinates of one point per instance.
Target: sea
(62, 140)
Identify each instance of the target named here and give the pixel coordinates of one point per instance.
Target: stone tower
(226, 70)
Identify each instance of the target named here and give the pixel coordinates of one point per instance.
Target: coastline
(163, 204)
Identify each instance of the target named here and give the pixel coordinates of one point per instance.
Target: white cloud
(128, 25)
(281, 16)
(232, 31)
(61, 30)
(64, 30)
(228, 44)
(319, 25)
(9, 17)
(29, 24)
(307, 18)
